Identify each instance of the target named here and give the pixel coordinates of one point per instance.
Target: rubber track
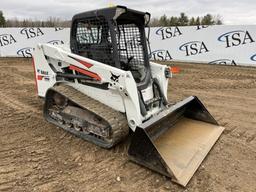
(117, 120)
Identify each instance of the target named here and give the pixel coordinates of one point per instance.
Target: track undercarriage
(85, 117)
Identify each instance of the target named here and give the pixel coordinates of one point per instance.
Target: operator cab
(114, 36)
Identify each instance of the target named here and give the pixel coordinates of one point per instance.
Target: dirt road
(37, 156)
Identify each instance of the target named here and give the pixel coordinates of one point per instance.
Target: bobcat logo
(114, 78)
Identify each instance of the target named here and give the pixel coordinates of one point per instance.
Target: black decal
(56, 42)
(194, 48)
(247, 37)
(168, 32)
(6, 39)
(224, 62)
(253, 58)
(25, 52)
(114, 78)
(31, 32)
(160, 55)
(236, 38)
(42, 72)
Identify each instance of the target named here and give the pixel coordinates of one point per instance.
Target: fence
(222, 44)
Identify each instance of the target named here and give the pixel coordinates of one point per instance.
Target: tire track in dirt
(7, 100)
(21, 115)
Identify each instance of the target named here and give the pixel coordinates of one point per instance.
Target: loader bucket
(175, 142)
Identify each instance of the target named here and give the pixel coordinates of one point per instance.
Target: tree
(183, 19)
(2, 19)
(192, 21)
(217, 20)
(173, 21)
(208, 20)
(163, 21)
(198, 21)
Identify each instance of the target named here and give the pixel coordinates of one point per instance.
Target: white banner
(19, 42)
(221, 44)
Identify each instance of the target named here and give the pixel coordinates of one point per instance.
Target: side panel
(109, 97)
(44, 76)
(121, 92)
(131, 101)
(158, 72)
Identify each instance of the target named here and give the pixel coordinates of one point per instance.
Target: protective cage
(93, 40)
(113, 36)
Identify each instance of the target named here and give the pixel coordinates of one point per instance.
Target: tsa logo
(168, 32)
(6, 39)
(253, 58)
(25, 52)
(194, 48)
(31, 32)
(160, 55)
(56, 42)
(223, 62)
(236, 38)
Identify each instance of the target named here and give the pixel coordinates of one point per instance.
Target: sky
(232, 12)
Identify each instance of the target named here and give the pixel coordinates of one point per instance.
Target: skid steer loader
(104, 84)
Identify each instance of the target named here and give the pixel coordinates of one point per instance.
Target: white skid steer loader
(105, 84)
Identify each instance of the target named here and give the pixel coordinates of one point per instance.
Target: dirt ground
(37, 156)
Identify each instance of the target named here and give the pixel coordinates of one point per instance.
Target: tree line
(50, 22)
(182, 20)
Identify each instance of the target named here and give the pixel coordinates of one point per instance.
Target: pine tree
(207, 20)
(198, 21)
(192, 21)
(2, 19)
(163, 21)
(183, 19)
(173, 21)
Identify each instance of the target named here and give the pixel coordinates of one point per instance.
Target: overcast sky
(232, 11)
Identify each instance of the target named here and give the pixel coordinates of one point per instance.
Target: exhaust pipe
(175, 142)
